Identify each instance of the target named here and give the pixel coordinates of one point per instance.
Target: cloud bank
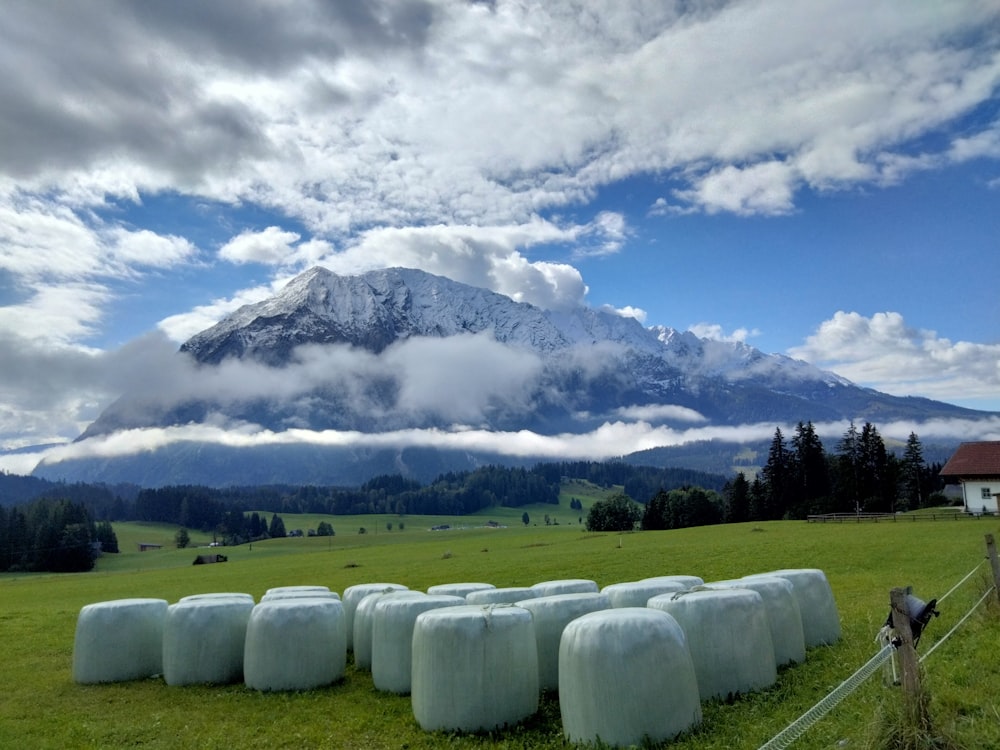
(463, 138)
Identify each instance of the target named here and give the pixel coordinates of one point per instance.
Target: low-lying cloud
(611, 439)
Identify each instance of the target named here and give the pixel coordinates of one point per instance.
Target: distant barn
(206, 559)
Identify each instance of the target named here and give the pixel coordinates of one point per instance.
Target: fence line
(801, 725)
(797, 728)
(952, 515)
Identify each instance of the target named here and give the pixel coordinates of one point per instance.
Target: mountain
(401, 349)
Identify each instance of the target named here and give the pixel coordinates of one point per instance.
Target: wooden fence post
(914, 708)
(991, 553)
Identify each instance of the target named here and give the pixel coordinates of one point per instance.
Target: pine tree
(775, 478)
(737, 498)
(848, 468)
(914, 491)
(810, 480)
(874, 478)
(654, 517)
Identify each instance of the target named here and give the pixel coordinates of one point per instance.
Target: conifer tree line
(800, 478)
(52, 535)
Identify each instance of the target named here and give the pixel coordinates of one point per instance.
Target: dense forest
(52, 535)
(53, 526)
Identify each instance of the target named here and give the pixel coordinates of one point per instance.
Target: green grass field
(41, 707)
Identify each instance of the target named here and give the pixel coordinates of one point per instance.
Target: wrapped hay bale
(550, 615)
(689, 582)
(820, 619)
(637, 593)
(203, 640)
(509, 595)
(217, 595)
(284, 589)
(783, 615)
(729, 638)
(458, 589)
(626, 678)
(566, 586)
(393, 618)
(295, 644)
(119, 640)
(301, 594)
(354, 594)
(475, 668)
(363, 625)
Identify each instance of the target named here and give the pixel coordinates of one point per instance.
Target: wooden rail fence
(947, 515)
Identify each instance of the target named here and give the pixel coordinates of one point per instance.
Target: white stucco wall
(973, 495)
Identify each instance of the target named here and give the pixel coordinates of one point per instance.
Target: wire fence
(786, 737)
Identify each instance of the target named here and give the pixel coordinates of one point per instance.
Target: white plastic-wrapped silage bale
(475, 668)
(637, 593)
(551, 614)
(783, 615)
(363, 624)
(393, 619)
(688, 581)
(295, 644)
(354, 594)
(217, 595)
(119, 640)
(458, 589)
(297, 587)
(566, 586)
(301, 594)
(509, 595)
(203, 640)
(820, 619)
(626, 677)
(728, 635)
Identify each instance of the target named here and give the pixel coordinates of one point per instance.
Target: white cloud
(659, 413)
(627, 312)
(765, 188)
(611, 439)
(145, 248)
(715, 332)
(271, 246)
(486, 114)
(439, 134)
(182, 326)
(884, 353)
(485, 256)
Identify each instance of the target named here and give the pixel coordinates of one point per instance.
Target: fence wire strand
(967, 577)
(797, 728)
(965, 617)
(801, 725)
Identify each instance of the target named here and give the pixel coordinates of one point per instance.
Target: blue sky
(816, 179)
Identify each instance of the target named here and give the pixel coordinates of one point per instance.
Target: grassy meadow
(41, 707)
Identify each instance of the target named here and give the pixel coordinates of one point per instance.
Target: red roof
(980, 459)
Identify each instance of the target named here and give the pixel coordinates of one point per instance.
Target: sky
(816, 179)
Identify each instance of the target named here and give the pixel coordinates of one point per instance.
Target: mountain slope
(404, 350)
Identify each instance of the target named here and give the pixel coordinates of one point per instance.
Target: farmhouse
(977, 468)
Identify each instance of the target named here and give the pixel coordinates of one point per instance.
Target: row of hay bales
(629, 661)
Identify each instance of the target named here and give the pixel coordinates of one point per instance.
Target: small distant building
(976, 466)
(209, 559)
(146, 546)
